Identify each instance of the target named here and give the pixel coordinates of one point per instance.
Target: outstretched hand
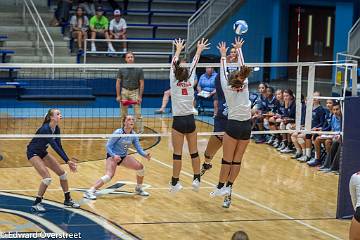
(222, 48)
(203, 44)
(148, 156)
(72, 164)
(238, 43)
(179, 44)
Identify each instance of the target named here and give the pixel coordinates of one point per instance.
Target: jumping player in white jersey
(354, 187)
(238, 127)
(182, 93)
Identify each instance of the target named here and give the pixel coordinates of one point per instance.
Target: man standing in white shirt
(118, 28)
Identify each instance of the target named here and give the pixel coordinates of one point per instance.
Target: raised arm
(201, 46)
(223, 50)
(237, 45)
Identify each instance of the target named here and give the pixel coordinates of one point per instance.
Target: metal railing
(168, 53)
(354, 38)
(39, 28)
(204, 18)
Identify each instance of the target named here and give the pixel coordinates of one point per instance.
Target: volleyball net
(86, 96)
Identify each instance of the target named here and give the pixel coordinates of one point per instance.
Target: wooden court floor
(274, 197)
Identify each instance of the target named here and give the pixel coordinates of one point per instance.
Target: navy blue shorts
(219, 124)
(41, 154)
(121, 158)
(240, 130)
(184, 124)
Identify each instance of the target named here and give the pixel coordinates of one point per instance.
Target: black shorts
(121, 158)
(184, 124)
(240, 130)
(219, 126)
(40, 154)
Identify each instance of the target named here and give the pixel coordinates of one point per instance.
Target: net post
(310, 97)
(298, 97)
(354, 80)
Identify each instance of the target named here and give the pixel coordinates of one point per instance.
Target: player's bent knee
(141, 172)
(46, 181)
(194, 155)
(177, 157)
(63, 177)
(225, 162)
(105, 179)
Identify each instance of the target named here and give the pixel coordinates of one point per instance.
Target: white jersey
(117, 27)
(354, 187)
(182, 93)
(239, 105)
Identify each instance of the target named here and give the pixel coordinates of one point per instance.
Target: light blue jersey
(120, 145)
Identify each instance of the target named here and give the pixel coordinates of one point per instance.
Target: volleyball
(240, 27)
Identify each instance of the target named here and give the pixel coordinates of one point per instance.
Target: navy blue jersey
(318, 117)
(271, 104)
(38, 145)
(303, 113)
(290, 112)
(280, 108)
(261, 103)
(223, 109)
(327, 123)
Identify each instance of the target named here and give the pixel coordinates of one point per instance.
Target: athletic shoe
(140, 191)
(260, 140)
(176, 188)
(287, 150)
(314, 162)
(281, 146)
(276, 144)
(296, 156)
(111, 48)
(196, 185)
(325, 169)
(227, 200)
(90, 195)
(205, 167)
(71, 203)
(304, 158)
(38, 208)
(220, 192)
(271, 141)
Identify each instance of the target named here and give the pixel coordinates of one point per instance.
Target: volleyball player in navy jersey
(354, 186)
(238, 127)
(274, 120)
(182, 93)
(42, 160)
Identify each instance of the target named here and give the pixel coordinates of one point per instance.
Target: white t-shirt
(182, 93)
(117, 27)
(239, 105)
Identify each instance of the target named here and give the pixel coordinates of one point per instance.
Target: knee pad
(225, 162)
(46, 181)
(176, 157)
(301, 141)
(288, 126)
(141, 172)
(194, 155)
(308, 136)
(105, 178)
(236, 163)
(64, 176)
(207, 156)
(357, 214)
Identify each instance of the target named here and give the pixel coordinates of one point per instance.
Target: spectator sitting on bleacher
(79, 26)
(99, 25)
(118, 27)
(206, 88)
(88, 6)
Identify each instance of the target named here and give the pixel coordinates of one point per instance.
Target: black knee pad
(357, 214)
(194, 155)
(176, 157)
(236, 163)
(207, 156)
(225, 162)
(308, 136)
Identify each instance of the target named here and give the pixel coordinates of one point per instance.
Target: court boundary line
(276, 212)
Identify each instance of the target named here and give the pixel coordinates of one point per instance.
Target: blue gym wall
(270, 18)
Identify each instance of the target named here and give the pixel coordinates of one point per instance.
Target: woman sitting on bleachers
(79, 24)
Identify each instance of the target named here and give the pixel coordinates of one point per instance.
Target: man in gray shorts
(130, 86)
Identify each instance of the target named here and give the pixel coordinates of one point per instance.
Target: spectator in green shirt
(99, 26)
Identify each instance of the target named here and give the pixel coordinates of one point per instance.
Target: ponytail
(48, 115)
(181, 73)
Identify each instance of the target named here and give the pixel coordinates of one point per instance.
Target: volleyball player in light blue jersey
(117, 154)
